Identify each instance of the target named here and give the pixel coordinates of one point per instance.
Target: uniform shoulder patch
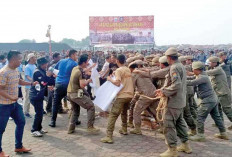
(174, 74)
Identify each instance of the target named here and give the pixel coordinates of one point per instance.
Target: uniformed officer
(77, 97)
(220, 86)
(122, 101)
(191, 90)
(208, 103)
(175, 89)
(144, 86)
(226, 66)
(187, 114)
(159, 74)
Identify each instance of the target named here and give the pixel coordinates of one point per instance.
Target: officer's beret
(188, 57)
(198, 65)
(132, 63)
(140, 56)
(42, 61)
(156, 59)
(221, 54)
(149, 57)
(163, 59)
(171, 52)
(182, 58)
(179, 54)
(129, 60)
(139, 62)
(214, 59)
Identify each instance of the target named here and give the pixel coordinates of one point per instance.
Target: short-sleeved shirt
(123, 74)
(10, 79)
(65, 67)
(29, 70)
(74, 83)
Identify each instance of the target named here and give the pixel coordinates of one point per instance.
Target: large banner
(121, 30)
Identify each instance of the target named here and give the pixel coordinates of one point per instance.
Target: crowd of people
(170, 78)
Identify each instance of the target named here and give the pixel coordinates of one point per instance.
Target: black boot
(52, 124)
(78, 122)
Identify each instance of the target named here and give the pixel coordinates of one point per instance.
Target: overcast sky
(176, 21)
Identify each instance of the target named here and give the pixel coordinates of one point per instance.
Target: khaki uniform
(175, 89)
(158, 75)
(220, 86)
(226, 68)
(145, 87)
(76, 102)
(122, 101)
(190, 97)
(191, 122)
(208, 102)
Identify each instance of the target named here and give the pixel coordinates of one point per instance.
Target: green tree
(70, 42)
(27, 41)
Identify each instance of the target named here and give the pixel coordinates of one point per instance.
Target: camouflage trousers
(131, 112)
(87, 104)
(204, 110)
(174, 125)
(120, 106)
(141, 105)
(225, 106)
(188, 116)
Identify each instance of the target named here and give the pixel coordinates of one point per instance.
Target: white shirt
(105, 68)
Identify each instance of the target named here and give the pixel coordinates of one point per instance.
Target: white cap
(29, 56)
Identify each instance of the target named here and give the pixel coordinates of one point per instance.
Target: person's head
(42, 63)
(14, 58)
(211, 53)
(214, 61)
(31, 58)
(163, 62)
(133, 66)
(198, 67)
(182, 59)
(222, 56)
(2, 59)
(172, 55)
(140, 63)
(83, 60)
(113, 58)
(73, 54)
(155, 61)
(121, 59)
(56, 57)
(108, 59)
(189, 60)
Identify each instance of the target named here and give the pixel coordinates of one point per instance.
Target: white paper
(105, 95)
(95, 84)
(55, 71)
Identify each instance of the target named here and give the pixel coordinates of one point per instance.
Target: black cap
(42, 61)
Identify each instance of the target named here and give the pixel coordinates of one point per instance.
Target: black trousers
(60, 92)
(102, 81)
